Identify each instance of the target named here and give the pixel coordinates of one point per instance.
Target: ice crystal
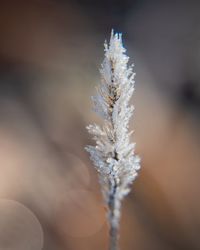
(113, 155)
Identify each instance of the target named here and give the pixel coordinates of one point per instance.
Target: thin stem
(114, 217)
(114, 236)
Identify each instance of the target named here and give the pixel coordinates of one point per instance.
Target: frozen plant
(113, 155)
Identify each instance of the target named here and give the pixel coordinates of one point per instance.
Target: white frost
(113, 155)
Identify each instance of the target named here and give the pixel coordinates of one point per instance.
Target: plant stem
(114, 217)
(114, 235)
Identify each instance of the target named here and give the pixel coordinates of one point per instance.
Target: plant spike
(113, 155)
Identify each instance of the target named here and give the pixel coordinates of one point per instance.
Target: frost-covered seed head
(113, 155)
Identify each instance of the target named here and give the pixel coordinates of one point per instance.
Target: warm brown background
(50, 52)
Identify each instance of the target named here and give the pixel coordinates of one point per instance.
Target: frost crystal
(113, 155)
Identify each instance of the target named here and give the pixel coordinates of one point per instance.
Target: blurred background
(50, 52)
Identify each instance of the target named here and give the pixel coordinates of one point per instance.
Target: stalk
(113, 221)
(113, 155)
